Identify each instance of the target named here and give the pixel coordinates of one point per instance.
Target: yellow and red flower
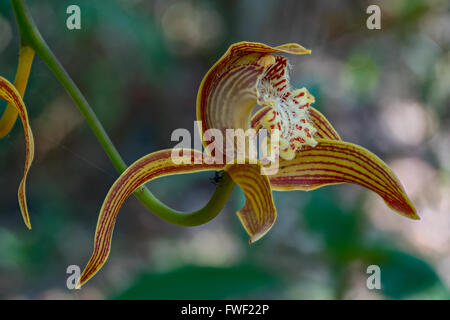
(311, 151)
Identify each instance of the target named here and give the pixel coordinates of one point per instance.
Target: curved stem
(196, 218)
(31, 36)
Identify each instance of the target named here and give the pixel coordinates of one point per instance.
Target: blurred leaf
(105, 90)
(360, 74)
(338, 228)
(5, 7)
(10, 249)
(192, 282)
(141, 27)
(408, 11)
(403, 274)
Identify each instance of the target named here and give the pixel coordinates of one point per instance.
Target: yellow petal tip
(414, 216)
(26, 219)
(404, 207)
(255, 237)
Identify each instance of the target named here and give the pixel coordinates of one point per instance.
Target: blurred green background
(140, 63)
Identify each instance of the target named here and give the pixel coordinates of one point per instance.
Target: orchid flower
(311, 151)
(13, 95)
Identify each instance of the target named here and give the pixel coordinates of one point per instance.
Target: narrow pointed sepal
(147, 168)
(331, 162)
(257, 216)
(9, 93)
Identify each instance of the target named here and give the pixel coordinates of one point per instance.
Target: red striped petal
(228, 92)
(324, 128)
(9, 93)
(332, 162)
(257, 215)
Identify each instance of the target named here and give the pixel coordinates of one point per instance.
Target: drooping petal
(231, 88)
(257, 215)
(9, 93)
(9, 116)
(331, 162)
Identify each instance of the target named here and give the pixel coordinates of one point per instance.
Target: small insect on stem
(217, 177)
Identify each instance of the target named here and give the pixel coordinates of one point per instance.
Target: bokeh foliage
(140, 63)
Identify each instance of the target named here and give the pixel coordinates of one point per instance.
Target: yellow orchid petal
(248, 74)
(331, 162)
(9, 93)
(257, 215)
(324, 128)
(9, 116)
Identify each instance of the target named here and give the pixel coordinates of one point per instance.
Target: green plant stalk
(31, 36)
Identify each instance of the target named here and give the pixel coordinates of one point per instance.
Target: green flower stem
(31, 36)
